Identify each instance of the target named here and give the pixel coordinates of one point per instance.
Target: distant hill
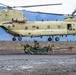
(1, 7)
(38, 17)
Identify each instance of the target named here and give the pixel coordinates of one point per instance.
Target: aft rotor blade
(73, 12)
(37, 5)
(51, 13)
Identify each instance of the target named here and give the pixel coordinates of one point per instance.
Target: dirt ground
(13, 60)
(16, 47)
(37, 64)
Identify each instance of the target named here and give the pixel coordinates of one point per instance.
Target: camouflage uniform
(36, 45)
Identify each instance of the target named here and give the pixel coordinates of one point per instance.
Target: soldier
(50, 49)
(26, 48)
(36, 45)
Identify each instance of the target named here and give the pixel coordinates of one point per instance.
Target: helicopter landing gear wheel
(49, 39)
(13, 39)
(57, 39)
(19, 38)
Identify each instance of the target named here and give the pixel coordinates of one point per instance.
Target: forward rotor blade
(37, 5)
(3, 4)
(6, 6)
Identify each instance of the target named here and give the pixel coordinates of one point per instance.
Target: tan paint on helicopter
(21, 27)
(8, 14)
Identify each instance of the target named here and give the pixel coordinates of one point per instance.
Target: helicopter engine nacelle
(19, 20)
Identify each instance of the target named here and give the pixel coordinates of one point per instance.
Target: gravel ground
(37, 64)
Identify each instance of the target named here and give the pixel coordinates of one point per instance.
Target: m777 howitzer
(36, 49)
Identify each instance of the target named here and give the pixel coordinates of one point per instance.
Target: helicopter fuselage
(44, 28)
(14, 22)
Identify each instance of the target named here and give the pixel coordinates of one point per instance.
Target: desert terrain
(57, 47)
(37, 64)
(13, 60)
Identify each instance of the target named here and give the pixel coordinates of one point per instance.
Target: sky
(67, 7)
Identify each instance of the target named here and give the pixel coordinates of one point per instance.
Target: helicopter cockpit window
(26, 27)
(69, 26)
(48, 27)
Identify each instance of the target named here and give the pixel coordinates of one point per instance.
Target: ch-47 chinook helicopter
(14, 23)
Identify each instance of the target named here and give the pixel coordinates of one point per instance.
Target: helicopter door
(71, 29)
(69, 26)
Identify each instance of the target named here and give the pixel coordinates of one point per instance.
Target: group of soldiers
(37, 49)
